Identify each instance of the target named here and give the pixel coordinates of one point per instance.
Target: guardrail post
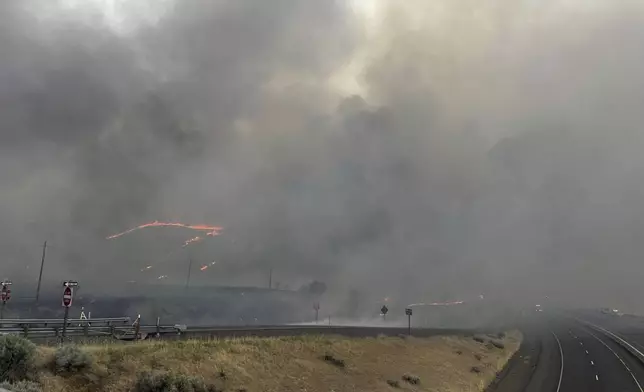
(86, 329)
(158, 327)
(25, 330)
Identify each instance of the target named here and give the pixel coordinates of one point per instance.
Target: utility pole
(316, 307)
(189, 270)
(42, 265)
(270, 278)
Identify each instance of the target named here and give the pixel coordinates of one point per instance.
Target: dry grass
(297, 363)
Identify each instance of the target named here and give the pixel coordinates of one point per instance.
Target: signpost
(384, 311)
(5, 296)
(408, 312)
(68, 295)
(316, 306)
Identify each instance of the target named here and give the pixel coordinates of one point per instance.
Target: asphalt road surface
(561, 354)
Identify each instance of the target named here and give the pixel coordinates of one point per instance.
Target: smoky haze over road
(431, 149)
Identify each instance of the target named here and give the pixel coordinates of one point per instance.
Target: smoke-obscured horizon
(425, 149)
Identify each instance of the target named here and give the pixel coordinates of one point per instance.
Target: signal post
(5, 295)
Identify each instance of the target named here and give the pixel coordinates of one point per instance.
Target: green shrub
(479, 339)
(17, 359)
(393, 383)
(410, 378)
(22, 386)
(71, 359)
(334, 361)
(497, 344)
(170, 382)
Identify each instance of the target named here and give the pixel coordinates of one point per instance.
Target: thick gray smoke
(454, 148)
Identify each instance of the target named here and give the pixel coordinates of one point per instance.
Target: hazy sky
(422, 148)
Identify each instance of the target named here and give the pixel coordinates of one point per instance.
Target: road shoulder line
(619, 358)
(562, 360)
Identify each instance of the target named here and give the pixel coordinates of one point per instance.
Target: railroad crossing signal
(408, 312)
(5, 292)
(384, 310)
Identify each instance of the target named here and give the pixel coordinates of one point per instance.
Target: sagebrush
(17, 359)
(71, 359)
(22, 386)
(171, 382)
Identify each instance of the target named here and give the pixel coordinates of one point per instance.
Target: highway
(564, 354)
(561, 352)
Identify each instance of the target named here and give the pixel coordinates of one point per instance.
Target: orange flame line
(210, 230)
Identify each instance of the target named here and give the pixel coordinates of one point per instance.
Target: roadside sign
(384, 309)
(408, 312)
(67, 296)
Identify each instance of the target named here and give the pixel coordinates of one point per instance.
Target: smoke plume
(429, 150)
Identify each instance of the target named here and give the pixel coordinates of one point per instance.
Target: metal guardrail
(108, 320)
(120, 328)
(117, 327)
(638, 354)
(348, 331)
(126, 332)
(617, 339)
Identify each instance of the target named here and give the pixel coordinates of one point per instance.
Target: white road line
(562, 361)
(619, 358)
(587, 352)
(592, 363)
(639, 346)
(613, 335)
(596, 377)
(581, 343)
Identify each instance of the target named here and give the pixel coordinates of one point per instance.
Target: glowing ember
(191, 240)
(210, 230)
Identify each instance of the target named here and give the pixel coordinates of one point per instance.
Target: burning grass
(294, 364)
